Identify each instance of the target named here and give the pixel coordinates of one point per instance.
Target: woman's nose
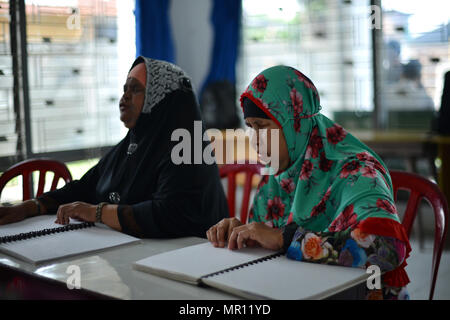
(126, 95)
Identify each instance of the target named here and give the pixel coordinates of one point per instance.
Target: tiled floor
(419, 263)
(419, 272)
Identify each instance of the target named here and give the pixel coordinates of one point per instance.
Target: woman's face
(131, 102)
(263, 139)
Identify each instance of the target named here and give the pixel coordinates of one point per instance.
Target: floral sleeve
(350, 248)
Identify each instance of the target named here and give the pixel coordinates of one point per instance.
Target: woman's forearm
(30, 208)
(110, 217)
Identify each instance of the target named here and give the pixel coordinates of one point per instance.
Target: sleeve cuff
(288, 234)
(50, 204)
(128, 222)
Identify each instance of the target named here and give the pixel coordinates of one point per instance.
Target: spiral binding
(43, 232)
(272, 256)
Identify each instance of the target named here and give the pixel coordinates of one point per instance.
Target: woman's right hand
(219, 233)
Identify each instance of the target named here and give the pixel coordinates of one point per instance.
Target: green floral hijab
(334, 181)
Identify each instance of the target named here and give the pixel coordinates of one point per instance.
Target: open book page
(32, 224)
(286, 279)
(191, 263)
(59, 245)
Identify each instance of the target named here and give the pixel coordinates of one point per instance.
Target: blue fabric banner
(153, 31)
(226, 21)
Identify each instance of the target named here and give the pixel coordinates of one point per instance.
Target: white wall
(193, 37)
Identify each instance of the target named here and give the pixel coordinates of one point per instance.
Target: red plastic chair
(230, 171)
(27, 167)
(422, 188)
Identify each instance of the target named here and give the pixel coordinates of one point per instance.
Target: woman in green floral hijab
(331, 200)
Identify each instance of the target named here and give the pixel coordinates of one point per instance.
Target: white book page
(196, 261)
(285, 279)
(32, 224)
(59, 245)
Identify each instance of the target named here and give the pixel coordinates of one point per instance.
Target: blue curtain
(153, 32)
(226, 21)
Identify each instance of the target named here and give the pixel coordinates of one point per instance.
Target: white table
(109, 274)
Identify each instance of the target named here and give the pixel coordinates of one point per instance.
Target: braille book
(40, 239)
(252, 273)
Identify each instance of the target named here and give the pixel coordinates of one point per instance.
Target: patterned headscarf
(162, 78)
(139, 72)
(333, 182)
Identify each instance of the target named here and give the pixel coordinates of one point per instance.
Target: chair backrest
(422, 188)
(27, 167)
(230, 171)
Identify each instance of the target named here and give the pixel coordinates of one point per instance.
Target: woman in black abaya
(136, 188)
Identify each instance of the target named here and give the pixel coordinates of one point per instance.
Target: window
(8, 136)
(79, 53)
(329, 41)
(415, 57)
(73, 74)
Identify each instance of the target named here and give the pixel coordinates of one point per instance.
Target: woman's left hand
(256, 233)
(76, 210)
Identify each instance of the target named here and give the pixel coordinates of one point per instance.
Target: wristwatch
(98, 213)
